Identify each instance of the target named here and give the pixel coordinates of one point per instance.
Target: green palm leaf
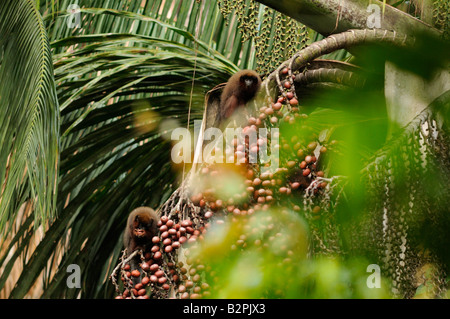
(124, 78)
(29, 114)
(117, 93)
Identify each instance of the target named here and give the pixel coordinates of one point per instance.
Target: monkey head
(240, 89)
(141, 227)
(249, 83)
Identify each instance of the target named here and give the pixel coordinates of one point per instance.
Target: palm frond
(124, 78)
(117, 94)
(176, 20)
(29, 114)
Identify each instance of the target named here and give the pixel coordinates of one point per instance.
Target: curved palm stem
(332, 43)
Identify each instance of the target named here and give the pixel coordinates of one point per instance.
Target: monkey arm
(231, 104)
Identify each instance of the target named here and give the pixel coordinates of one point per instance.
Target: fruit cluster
(158, 270)
(162, 273)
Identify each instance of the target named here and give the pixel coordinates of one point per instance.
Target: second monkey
(240, 89)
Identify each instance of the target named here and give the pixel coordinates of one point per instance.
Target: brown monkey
(240, 88)
(140, 229)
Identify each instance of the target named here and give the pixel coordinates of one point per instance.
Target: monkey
(240, 89)
(223, 100)
(140, 229)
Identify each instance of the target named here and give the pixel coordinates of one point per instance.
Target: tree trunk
(406, 94)
(335, 16)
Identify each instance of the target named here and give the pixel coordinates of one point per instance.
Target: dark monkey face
(248, 81)
(141, 228)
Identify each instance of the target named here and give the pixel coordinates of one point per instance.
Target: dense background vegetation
(86, 111)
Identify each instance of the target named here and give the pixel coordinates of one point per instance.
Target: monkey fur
(140, 229)
(240, 89)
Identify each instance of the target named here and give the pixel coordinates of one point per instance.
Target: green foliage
(29, 115)
(121, 94)
(392, 213)
(123, 81)
(265, 256)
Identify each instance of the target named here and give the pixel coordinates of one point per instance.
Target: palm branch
(29, 118)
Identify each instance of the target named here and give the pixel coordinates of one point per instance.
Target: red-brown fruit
(145, 280)
(293, 101)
